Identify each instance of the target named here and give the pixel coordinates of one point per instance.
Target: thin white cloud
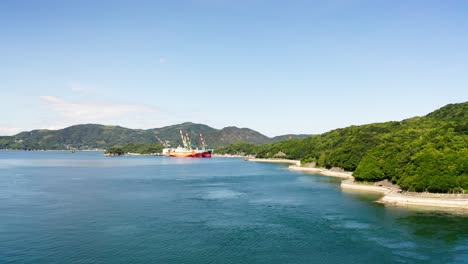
(64, 112)
(9, 131)
(162, 60)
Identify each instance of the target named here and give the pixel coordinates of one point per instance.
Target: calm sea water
(58, 207)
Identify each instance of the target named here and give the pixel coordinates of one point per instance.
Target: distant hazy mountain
(90, 136)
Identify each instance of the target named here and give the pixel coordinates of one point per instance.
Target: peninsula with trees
(419, 154)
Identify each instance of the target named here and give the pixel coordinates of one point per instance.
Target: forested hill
(427, 153)
(91, 136)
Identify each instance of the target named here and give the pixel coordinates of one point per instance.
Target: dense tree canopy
(237, 148)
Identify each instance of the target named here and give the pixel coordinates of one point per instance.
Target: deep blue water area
(59, 207)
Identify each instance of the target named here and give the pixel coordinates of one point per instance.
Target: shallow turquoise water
(58, 207)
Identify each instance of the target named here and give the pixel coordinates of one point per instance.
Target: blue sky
(274, 66)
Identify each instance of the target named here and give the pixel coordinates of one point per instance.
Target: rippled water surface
(58, 207)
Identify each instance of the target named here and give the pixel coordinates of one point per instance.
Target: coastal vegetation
(238, 148)
(419, 154)
(144, 149)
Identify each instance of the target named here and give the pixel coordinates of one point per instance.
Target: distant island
(135, 149)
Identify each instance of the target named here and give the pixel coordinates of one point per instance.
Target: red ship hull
(206, 154)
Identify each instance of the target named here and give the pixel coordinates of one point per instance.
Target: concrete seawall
(393, 196)
(401, 199)
(351, 185)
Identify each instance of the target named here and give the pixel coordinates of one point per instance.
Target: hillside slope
(427, 153)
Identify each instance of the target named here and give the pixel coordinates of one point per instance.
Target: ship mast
(160, 141)
(188, 141)
(184, 142)
(202, 141)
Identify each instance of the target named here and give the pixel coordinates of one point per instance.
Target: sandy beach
(322, 171)
(351, 185)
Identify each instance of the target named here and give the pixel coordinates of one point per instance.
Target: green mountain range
(92, 136)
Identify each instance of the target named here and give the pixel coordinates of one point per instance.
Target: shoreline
(322, 171)
(399, 199)
(227, 156)
(351, 185)
(284, 161)
(393, 195)
(132, 154)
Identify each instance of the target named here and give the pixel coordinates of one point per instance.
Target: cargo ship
(187, 151)
(181, 152)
